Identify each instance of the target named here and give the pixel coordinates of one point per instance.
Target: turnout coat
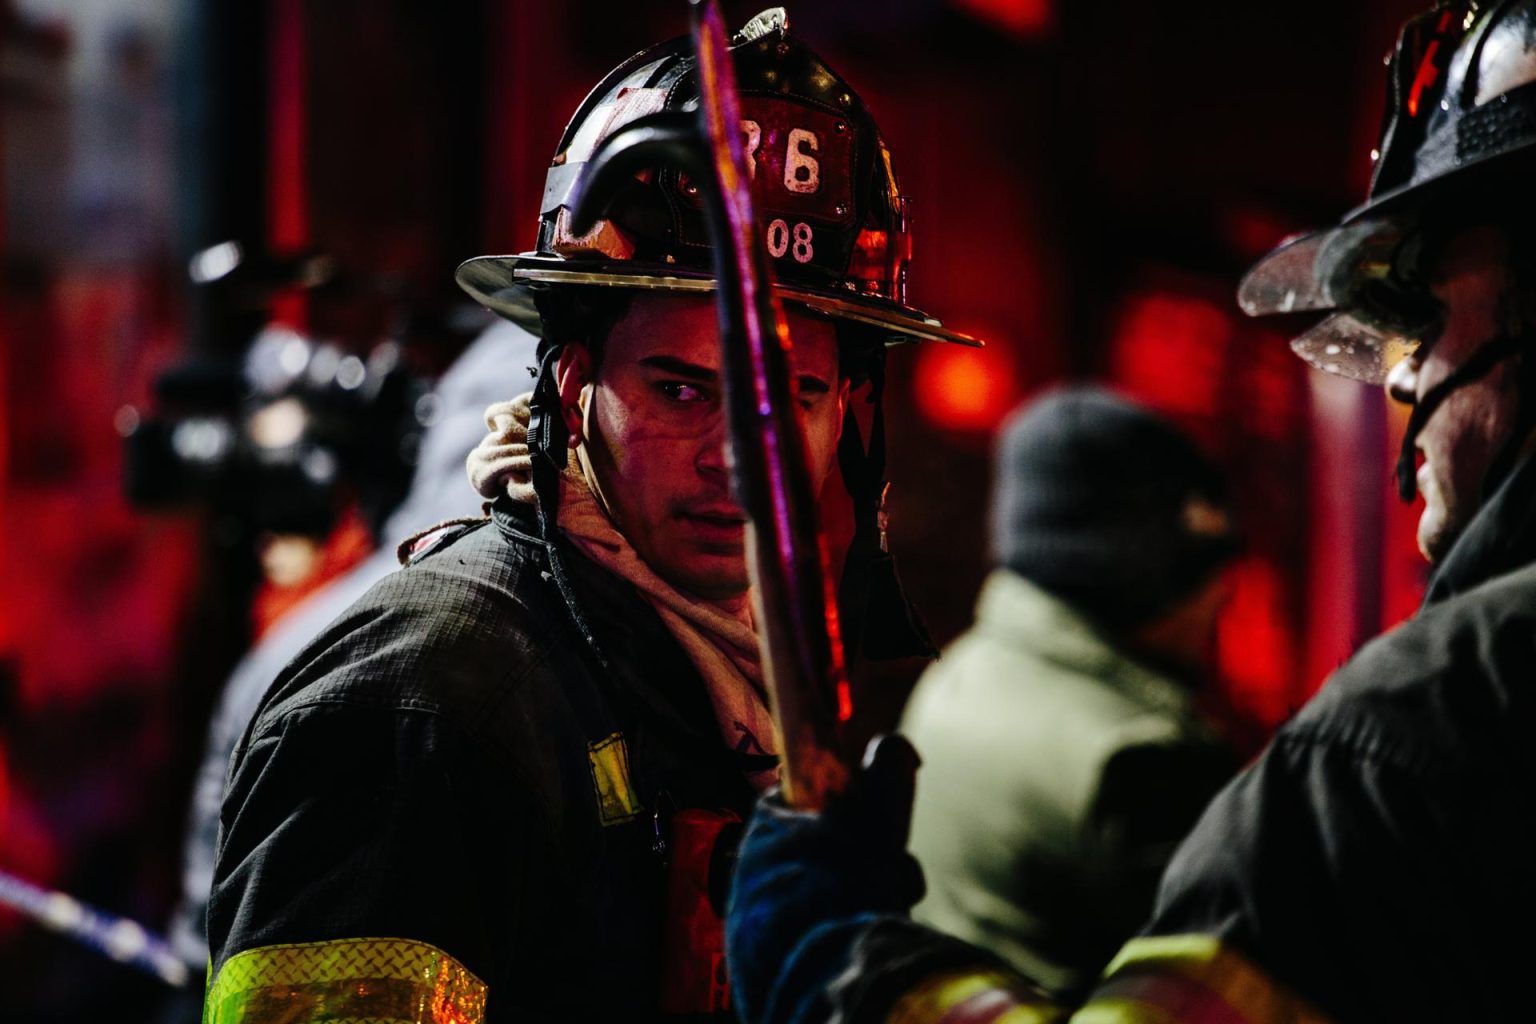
(452, 805)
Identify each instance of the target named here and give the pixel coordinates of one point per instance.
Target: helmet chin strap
(1479, 365)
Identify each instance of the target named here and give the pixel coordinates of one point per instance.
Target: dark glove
(808, 885)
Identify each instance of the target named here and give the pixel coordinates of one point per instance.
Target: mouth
(721, 523)
(718, 517)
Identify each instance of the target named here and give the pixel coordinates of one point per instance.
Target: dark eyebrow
(686, 370)
(809, 383)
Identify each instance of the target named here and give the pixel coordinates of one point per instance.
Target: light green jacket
(1057, 777)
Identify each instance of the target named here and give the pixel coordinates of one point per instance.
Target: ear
(844, 389)
(573, 372)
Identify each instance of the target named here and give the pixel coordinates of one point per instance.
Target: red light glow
(1255, 650)
(1168, 351)
(965, 389)
(1020, 17)
(287, 188)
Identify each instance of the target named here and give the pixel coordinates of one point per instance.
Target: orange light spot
(965, 389)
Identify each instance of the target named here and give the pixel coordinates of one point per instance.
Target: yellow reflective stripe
(1175, 979)
(972, 997)
(1108, 1010)
(617, 801)
(378, 981)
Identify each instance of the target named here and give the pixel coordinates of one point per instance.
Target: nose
(1403, 381)
(712, 459)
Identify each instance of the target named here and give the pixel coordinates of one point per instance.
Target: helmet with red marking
(835, 221)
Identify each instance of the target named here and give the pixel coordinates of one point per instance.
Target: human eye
(682, 392)
(811, 391)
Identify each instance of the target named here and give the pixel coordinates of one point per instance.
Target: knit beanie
(1108, 506)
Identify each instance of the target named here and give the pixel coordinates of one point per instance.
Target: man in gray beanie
(1063, 758)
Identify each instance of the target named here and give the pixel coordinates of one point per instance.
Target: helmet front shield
(1367, 276)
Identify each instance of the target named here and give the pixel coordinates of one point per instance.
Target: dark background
(1089, 182)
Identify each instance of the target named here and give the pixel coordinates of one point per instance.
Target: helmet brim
(506, 285)
(1295, 276)
(1313, 273)
(1286, 279)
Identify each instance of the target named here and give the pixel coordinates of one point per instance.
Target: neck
(736, 604)
(1500, 538)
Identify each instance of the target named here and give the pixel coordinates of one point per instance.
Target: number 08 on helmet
(834, 220)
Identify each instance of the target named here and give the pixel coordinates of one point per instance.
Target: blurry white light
(383, 359)
(323, 365)
(320, 466)
(215, 262)
(350, 373)
(275, 358)
(62, 913)
(202, 440)
(125, 940)
(279, 425)
(289, 559)
(293, 356)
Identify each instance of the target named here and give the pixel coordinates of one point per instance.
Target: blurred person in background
(1064, 755)
(506, 783)
(1374, 863)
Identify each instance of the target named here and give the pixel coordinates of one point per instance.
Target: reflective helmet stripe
(387, 981)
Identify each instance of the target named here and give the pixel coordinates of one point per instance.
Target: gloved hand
(807, 884)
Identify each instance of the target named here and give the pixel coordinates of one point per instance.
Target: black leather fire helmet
(1458, 136)
(836, 223)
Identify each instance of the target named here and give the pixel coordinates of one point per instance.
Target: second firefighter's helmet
(836, 224)
(1458, 134)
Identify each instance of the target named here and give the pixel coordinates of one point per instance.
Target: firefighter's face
(1464, 436)
(652, 418)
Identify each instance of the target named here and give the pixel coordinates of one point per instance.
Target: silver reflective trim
(1322, 270)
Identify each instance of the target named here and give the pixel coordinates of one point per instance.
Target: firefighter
(1373, 864)
(1073, 700)
(504, 785)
